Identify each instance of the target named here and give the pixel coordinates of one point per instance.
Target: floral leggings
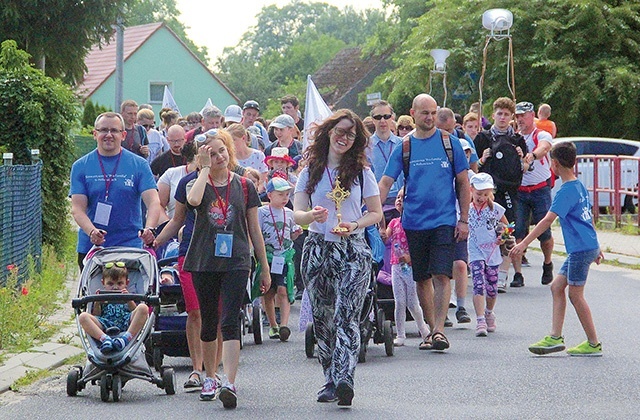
(485, 278)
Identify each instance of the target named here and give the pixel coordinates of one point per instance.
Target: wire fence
(21, 217)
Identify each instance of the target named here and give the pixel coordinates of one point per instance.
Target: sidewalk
(52, 354)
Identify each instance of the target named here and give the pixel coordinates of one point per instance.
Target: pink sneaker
(491, 321)
(481, 328)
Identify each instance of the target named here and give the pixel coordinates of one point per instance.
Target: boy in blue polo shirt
(571, 204)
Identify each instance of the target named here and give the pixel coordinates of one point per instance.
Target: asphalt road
(492, 377)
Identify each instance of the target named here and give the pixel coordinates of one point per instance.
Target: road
(492, 377)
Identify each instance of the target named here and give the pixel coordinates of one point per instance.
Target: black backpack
(504, 165)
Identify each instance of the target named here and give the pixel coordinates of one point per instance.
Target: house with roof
(343, 81)
(154, 57)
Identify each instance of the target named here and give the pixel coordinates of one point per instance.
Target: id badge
(103, 213)
(224, 245)
(277, 265)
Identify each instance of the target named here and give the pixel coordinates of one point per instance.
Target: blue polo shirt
(379, 152)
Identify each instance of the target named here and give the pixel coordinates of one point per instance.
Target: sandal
(193, 382)
(427, 343)
(440, 342)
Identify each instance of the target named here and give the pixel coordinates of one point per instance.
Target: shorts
(576, 266)
(122, 323)
(188, 291)
(462, 251)
(509, 200)
(532, 207)
(279, 279)
(432, 252)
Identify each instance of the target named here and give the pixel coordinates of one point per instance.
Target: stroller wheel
(362, 354)
(116, 387)
(157, 359)
(169, 380)
(257, 323)
(242, 328)
(309, 340)
(387, 332)
(72, 382)
(104, 387)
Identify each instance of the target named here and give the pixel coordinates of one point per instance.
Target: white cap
(233, 113)
(465, 144)
(482, 181)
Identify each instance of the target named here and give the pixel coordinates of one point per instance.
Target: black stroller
(113, 371)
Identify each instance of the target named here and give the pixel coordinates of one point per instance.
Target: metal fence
(20, 213)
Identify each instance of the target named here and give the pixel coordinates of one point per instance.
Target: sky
(219, 24)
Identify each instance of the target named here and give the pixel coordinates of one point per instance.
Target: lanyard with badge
(384, 155)
(224, 241)
(277, 264)
(103, 208)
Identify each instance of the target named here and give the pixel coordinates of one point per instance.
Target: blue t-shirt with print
(571, 204)
(430, 196)
(132, 177)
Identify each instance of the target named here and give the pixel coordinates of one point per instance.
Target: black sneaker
(462, 316)
(344, 392)
(547, 273)
(518, 280)
(448, 322)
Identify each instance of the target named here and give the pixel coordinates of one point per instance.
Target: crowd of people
(446, 192)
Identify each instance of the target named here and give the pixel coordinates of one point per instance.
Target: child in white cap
(486, 222)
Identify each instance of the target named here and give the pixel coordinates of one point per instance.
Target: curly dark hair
(353, 161)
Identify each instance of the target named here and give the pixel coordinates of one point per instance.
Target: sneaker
(344, 392)
(193, 382)
(490, 317)
(547, 345)
(448, 322)
(228, 396)
(398, 342)
(525, 261)
(586, 349)
(274, 333)
(502, 286)
(284, 333)
(481, 328)
(209, 389)
(120, 343)
(462, 316)
(518, 280)
(547, 273)
(327, 393)
(106, 346)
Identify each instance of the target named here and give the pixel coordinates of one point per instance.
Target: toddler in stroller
(116, 289)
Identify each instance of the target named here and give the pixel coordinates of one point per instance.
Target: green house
(154, 57)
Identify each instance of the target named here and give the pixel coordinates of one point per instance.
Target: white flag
(208, 104)
(168, 101)
(315, 110)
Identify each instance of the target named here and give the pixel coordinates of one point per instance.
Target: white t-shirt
(157, 144)
(171, 177)
(255, 161)
(541, 169)
(482, 234)
(351, 208)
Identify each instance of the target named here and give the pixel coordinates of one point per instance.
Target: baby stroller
(169, 337)
(251, 314)
(112, 371)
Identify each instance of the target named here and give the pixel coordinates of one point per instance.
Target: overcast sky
(219, 24)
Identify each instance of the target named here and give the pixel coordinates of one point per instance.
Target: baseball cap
(522, 107)
(465, 144)
(251, 104)
(282, 121)
(482, 181)
(233, 113)
(278, 184)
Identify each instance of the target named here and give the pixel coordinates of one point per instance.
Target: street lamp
(498, 22)
(440, 67)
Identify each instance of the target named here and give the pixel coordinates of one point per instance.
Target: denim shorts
(532, 207)
(462, 251)
(576, 266)
(432, 252)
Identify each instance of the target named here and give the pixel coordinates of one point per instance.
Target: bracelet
(91, 233)
(208, 167)
(463, 221)
(357, 224)
(534, 156)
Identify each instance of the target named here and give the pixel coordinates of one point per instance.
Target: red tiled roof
(101, 60)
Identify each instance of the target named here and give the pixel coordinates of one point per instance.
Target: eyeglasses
(176, 141)
(341, 132)
(405, 127)
(116, 263)
(108, 130)
(381, 116)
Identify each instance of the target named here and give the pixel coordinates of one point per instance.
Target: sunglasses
(116, 263)
(405, 127)
(148, 126)
(203, 137)
(381, 116)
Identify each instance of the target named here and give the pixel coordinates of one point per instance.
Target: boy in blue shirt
(571, 204)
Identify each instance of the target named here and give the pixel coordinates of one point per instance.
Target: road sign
(373, 98)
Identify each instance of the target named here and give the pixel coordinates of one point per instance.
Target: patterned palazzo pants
(336, 276)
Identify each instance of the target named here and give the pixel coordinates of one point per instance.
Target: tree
(581, 57)
(38, 113)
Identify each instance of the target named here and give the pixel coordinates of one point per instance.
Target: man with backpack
(501, 152)
(431, 161)
(534, 194)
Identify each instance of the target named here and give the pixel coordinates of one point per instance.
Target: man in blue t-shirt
(429, 214)
(108, 186)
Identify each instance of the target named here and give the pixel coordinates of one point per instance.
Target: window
(156, 91)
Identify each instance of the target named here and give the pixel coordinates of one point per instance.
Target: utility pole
(119, 61)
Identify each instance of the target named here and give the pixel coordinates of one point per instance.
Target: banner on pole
(315, 110)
